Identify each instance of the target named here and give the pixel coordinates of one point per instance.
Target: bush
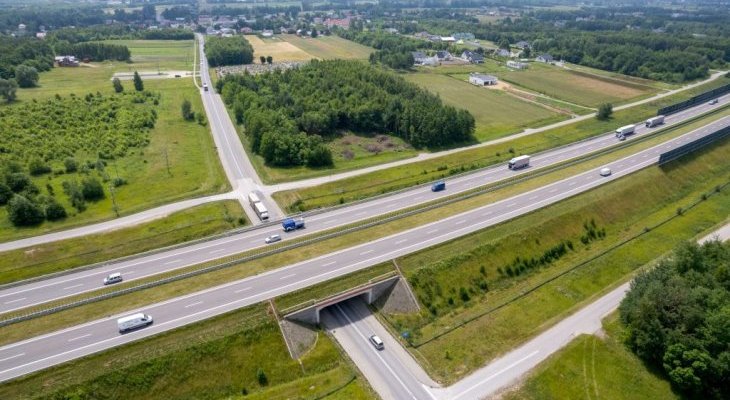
(26, 76)
(261, 377)
(71, 165)
(18, 181)
(5, 194)
(117, 85)
(37, 167)
(23, 212)
(604, 111)
(55, 211)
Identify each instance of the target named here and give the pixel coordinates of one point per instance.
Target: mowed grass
(575, 87)
(593, 367)
(217, 358)
(329, 47)
(167, 54)
(278, 49)
(390, 179)
(185, 147)
(499, 316)
(497, 114)
(193, 223)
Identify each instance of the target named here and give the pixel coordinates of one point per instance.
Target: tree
(604, 111)
(5, 194)
(314, 33)
(23, 212)
(262, 59)
(92, 189)
(8, 89)
(269, 59)
(26, 76)
(138, 84)
(117, 85)
(186, 109)
(36, 167)
(55, 211)
(504, 44)
(261, 377)
(71, 165)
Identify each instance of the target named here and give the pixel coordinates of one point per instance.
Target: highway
(33, 294)
(43, 351)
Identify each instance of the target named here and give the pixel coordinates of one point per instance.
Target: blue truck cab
(438, 186)
(291, 224)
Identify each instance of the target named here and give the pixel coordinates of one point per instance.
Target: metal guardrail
(379, 220)
(700, 98)
(694, 145)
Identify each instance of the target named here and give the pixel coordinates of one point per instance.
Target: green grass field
(167, 54)
(497, 114)
(329, 47)
(390, 179)
(188, 148)
(214, 359)
(593, 367)
(193, 223)
(500, 317)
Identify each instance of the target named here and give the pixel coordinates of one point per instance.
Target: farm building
(472, 57)
(448, 39)
(482, 79)
(544, 58)
(516, 64)
(463, 36)
(420, 58)
(66, 61)
(267, 33)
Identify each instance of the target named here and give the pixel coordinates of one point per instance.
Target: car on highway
(605, 171)
(113, 278)
(272, 239)
(438, 186)
(714, 101)
(377, 342)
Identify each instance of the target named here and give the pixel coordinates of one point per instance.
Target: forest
(288, 114)
(392, 51)
(228, 51)
(678, 319)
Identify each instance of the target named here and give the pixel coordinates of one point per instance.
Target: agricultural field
(593, 366)
(497, 114)
(180, 160)
(237, 355)
(167, 54)
(569, 253)
(576, 87)
(329, 47)
(278, 49)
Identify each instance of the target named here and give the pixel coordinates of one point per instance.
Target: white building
(516, 64)
(482, 79)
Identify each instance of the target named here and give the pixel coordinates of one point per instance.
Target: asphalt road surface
(33, 294)
(41, 352)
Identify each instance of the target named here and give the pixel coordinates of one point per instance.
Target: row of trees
(678, 319)
(234, 50)
(286, 114)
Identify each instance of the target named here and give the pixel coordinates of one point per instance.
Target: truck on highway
(258, 206)
(519, 162)
(624, 131)
(291, 224)
(134, 321)
(652, 122)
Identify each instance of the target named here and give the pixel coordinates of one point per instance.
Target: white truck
(133, 322)
(519, 162)
(624, 131)
(258, 206)
(654, 121)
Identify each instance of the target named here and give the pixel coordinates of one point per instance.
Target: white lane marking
(216, 251)
(74, 286)
(361, 213)
(500, 372)
(242, 290)
(486, 214)
(15, 301)
(172, 262)
(460, 222)
(129, 272)
(553, 190)
(331, 221)
(79, 337)
(571, 183)
(432, 231)
(417, 198)
(329, 263)
(11, 357)
(401, 241)
(366, 252)
(194, 304)
(287, 276)
(533, 198)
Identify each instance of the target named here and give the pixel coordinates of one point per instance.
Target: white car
(605, 171)
(713, 101)
(377, 342)
(113, 278)
(272, 239)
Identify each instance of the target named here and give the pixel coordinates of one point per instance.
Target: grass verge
(182, 226)
(594, 366)
(478, 283)
(22, 330)
(391, 179)
(218, 358)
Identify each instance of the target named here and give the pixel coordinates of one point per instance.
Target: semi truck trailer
(519, 162)
(625, 131)
(652, 122)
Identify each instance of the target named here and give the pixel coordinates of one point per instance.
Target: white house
(482, 79)
(516, 64)
(472, 57)
(544, 58)
(420, 58)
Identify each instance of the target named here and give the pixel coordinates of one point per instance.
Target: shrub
(18, 181)
(23, 212)
(92, 189)
(36, 167)
(55, 211)
(5, 194)
(261, 377)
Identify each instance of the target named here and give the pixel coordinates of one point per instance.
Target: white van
(135, 321)
(113, 278)
(377, 342)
